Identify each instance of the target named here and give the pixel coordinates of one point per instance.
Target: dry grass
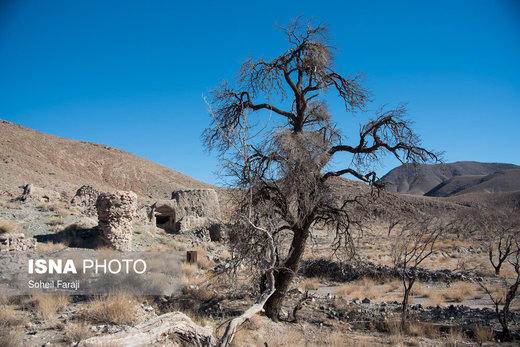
(309, 284)
(7, 226)
(459, 291)
(112, 309)
(364, 288)
(482, 334)
(455, 338)
(46, 306)
(75, 332)
(10, 327)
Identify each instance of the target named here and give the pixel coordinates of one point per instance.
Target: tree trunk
(286, 274)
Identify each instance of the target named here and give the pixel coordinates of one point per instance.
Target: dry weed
(47, 306)
(112, 309)
(482, 334)
(75, 332)
(7, 226)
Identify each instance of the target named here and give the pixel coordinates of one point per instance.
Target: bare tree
(412, 245)
(510, 287)
(294, 139)
(499, 228)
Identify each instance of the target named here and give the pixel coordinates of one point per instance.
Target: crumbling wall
(116, 212)
(197, 202)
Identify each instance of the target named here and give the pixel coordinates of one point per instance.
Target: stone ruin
(85, 199)
(189, 210)
(16, 242)
(116, 212)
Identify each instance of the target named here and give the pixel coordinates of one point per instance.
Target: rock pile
(116, 212)
(16, 242)
(345, 272)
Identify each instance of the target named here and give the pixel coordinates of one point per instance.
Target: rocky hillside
(29, 156)
(444, 180)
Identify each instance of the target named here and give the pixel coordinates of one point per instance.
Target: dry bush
(75, 332)
(111, 309)
(309, 284)
(7, 226)
(459, 291)
(46, 306)
(482, 334)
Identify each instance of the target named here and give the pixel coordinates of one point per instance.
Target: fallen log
(171, 328)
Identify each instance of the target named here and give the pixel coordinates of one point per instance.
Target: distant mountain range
(453, 179)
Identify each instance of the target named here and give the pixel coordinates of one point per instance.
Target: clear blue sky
(130, 74)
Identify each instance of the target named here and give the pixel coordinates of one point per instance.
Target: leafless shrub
(414, 243)
(502, 299)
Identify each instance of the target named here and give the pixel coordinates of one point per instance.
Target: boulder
(116, 212)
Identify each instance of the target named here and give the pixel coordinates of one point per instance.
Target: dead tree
(293, 140)
(413, 244)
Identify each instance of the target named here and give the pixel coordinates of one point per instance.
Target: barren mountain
(454, 178)
(29, 156)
